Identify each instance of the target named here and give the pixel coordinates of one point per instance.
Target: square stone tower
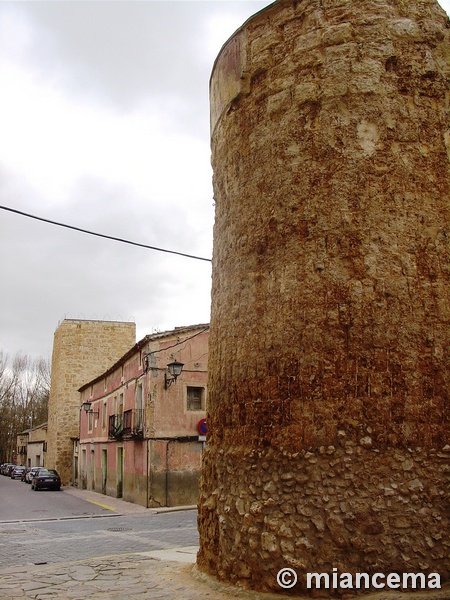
(81, 350)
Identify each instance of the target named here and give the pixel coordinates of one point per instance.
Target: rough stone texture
(329, 346)
(81, 350)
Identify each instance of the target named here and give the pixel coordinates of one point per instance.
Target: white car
(29, 476)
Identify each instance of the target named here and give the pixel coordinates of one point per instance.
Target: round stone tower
(329, 412)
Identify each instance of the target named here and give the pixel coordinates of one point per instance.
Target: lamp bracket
(168, 381)
(86, 406)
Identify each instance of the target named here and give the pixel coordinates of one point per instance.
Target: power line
(179, 343)
(101, 235)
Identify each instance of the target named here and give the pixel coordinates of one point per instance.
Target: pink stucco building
(141, 429)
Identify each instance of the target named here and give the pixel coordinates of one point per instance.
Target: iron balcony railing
(127, 424)
(133, 423)
(115, 426)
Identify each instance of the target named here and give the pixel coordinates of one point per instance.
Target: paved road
(124, 552)
(60, 527)
(66, 540)
(18, 501)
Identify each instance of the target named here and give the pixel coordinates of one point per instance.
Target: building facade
(32, 447)
(37, 446)
(139, 427)
(81, 350)
(21, 448)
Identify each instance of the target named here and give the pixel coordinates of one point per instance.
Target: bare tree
(24, 391)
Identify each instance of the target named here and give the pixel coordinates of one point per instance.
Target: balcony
(115, 426)
(133, 424)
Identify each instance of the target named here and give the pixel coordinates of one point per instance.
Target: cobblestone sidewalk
(158, 575)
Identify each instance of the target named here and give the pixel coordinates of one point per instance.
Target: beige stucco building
(32, 447)
(37, 446)
(21, 448)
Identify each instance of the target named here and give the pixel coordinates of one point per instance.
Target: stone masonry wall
(81, 351)
(329, 362)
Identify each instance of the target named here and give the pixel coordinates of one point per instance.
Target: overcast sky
(104, 125)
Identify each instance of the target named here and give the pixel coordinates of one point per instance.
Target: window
(139, 396)
(139, 418)
(195, 398)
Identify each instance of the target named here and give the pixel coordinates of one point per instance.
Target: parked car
(16, 472)
(4, 467)
(46, 479)
(7, 469)
(32, 472)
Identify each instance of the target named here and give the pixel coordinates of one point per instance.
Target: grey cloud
(128, 51)
(125, 55)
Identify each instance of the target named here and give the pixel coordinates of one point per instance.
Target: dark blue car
(46, 479)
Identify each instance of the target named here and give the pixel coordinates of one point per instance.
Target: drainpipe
(180, 439)
(167, 471)
(148, 474)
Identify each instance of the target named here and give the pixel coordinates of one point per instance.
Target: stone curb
(167, 509)
(68, 518)
(122, 506)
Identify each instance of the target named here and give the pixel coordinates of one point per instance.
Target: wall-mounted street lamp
(175, 369)
(86, 406)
